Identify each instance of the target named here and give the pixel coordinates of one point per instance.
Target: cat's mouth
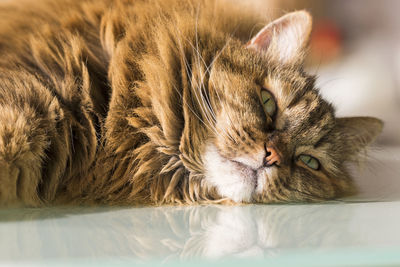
(256, 176)
(234, 179)
(250, 172)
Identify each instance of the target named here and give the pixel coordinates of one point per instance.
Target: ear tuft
(285, 37)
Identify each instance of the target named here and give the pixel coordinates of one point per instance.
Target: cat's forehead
(308, 120)
(303, 113)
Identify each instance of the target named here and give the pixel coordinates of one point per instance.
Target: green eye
(268, 102)
(311, 162)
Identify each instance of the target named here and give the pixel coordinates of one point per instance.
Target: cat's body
(128, 102)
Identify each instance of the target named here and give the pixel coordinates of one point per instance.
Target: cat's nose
(272, 157)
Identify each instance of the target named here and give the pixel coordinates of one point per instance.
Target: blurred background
(355, 52)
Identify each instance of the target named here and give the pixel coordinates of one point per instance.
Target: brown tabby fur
(99, 104)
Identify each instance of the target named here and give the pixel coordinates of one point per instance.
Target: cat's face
(275, 138)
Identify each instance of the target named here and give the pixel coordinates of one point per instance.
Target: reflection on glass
(170, 233)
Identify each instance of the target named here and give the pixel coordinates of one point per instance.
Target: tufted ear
(285, 37)
(355, 133)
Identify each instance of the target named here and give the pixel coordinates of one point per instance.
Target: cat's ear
(285, 37)
(355, 133)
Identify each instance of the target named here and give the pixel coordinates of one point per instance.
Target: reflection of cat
(125, 102)
(170, 233)
(262, 231)
(217, 232)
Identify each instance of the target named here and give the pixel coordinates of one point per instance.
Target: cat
(123, 102)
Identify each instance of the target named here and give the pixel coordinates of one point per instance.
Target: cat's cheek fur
(230, 179)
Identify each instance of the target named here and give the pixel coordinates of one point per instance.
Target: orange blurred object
(326, 42)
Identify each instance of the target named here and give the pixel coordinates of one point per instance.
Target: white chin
(232, 180)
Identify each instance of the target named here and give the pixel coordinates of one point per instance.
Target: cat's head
(274, 137)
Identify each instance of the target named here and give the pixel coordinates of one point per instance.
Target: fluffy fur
(153, 102)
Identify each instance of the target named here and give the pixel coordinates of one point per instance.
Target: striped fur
(117, 102)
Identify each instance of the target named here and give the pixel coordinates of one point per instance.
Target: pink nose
(273, 156)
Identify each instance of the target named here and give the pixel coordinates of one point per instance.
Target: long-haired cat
(164, 101)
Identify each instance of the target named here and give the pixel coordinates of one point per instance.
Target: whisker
(187, 70)
(200, 92)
